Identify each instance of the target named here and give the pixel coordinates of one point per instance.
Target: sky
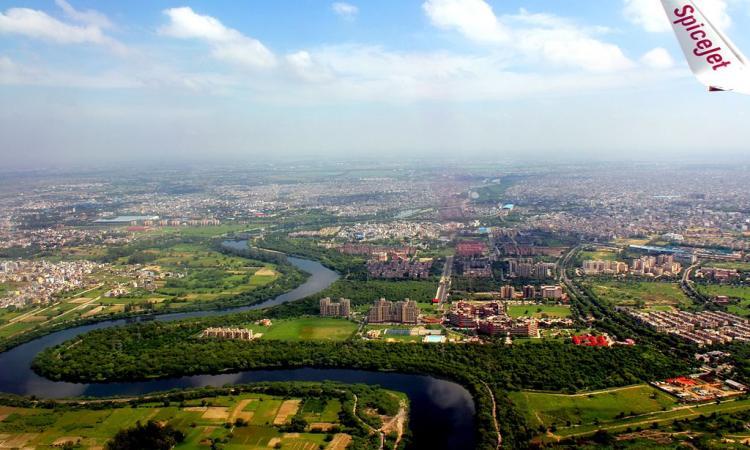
(85, 81)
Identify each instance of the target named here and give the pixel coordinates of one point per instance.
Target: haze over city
(85, 81)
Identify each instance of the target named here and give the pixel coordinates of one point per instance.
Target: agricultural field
(539, 311)
(308, 329)
(247, 421)
(587, 408)
(641, 293)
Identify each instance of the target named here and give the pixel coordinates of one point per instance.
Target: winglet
(712, 57)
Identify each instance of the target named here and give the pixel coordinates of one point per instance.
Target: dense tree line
(148, 436)
(585, 303)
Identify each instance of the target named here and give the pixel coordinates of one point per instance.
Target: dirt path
(586, 394)
(397, 424)
(494, 416)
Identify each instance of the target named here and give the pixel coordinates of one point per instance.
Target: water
(442, 412)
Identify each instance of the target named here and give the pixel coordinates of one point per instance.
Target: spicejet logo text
(704, 48)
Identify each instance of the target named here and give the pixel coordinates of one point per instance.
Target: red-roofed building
(591, 341)
(471, 248)
(682, 381)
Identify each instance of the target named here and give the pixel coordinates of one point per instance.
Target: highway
(445, 281)
(688, 287)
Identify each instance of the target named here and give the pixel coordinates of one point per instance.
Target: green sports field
(308, 329)
(539, 311)
(598, 255)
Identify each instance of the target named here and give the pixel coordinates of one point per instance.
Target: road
(687, 285)
(445, 282)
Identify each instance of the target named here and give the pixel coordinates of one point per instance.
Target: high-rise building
(507, 292)
(529, 291)
(383, 311)
(330, 309)
(553, 292)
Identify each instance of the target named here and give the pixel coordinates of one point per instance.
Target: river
(441, 416)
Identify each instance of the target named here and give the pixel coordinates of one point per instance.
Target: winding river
(442, 412)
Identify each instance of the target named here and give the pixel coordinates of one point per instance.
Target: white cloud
(39, 25)
(649, 14)
(531, 36)
(472, 18)
(302, 65)
(345, 10)
(89, 16)
(228, 44)
(658, 58)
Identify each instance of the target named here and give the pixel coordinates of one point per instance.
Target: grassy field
(641, 293)
(741, 293)
(587, 408)
(659, 417)
(712, 290)
(308, 329)
(199, 419)
(741, 266)
(539, 311)
(207, 274)
(599, 255)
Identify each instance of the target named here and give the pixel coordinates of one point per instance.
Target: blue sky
(87, 81)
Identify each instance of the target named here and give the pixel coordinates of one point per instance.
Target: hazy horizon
(156, 82)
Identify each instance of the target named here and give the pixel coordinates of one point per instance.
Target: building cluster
(384, 311)
(321, 233)
(342, 308)
(474, 267)
(702, 328)
(702, 387)
(38, 282)
(718, 275)
(242, 334)
(471, 248)
(528, 268)
(378, 252)
(529, 292)
(661, 265)
(393, 230)
(600, 267)
(491, 319)
(58, 237)
(400, 269)
(138, 222)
